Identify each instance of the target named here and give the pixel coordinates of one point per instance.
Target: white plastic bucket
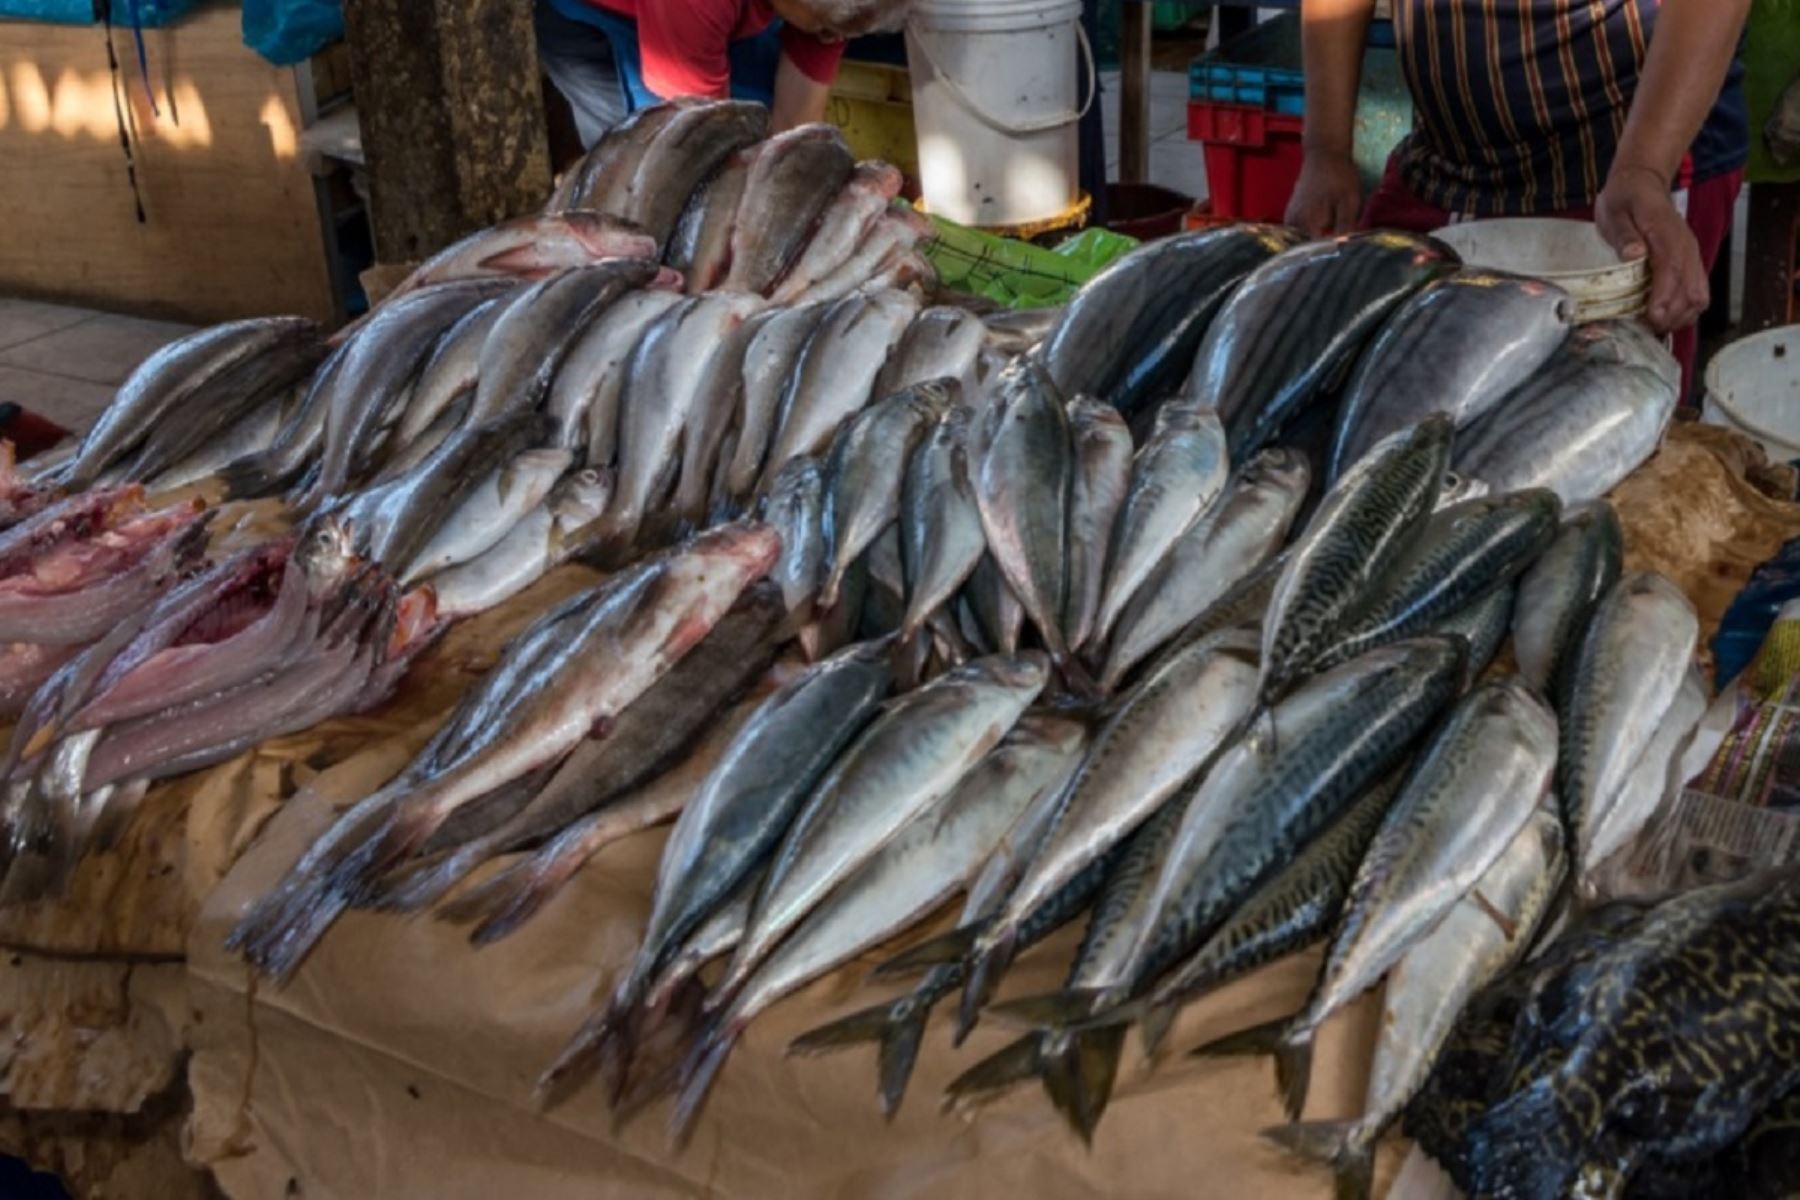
(1570, 254)
(995, 102)
(1753, 386)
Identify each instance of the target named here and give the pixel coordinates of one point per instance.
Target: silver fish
(843, 225)
(1241, 533)
(835, 373)
(910, 758)
(795, 176)
(1175, 477)
(1468, 796)
(700, 247)
(252, 433)
(866, 470)
(452, 370)
(1557, 594)
(1625, 676)
(941, 538)
(531, 247)
(1654, 781)
(1482, 935)
(942, 342)
(1102, 476)
(1365, 522)
(584, 395)
(769, 359)
(796, 508)
(489, 512)
(679, 156)
(543, 538)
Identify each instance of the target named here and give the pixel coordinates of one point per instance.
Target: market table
(400, 1061)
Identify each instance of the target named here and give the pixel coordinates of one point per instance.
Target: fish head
(326, 552)
(581, 498)
(605, 236)
(1028, 670)
(750, 546)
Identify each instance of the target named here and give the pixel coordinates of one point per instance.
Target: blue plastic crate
(1262, 69)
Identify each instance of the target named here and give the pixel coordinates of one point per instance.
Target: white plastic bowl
(1753, 386)
(1570, 254)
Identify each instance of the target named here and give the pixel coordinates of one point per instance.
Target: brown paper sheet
(400, 1061)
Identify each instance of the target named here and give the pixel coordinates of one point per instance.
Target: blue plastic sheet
(289, 31)
(1747, 621)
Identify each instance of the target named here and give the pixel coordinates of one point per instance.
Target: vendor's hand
(1636, 214)
(1327, 198)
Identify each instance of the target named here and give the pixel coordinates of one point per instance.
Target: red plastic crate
(1252, 158)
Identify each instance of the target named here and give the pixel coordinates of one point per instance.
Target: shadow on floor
(20, 1182)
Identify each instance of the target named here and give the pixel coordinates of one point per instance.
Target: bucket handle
(1039, 125)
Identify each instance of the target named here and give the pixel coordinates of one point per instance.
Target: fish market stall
(676, 700)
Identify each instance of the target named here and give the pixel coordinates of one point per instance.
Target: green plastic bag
(1018, 274)
(1771, 58)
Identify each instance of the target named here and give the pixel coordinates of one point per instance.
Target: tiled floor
(64, 363)
(1175, 162)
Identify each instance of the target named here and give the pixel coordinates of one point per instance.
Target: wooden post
(1769, 256)
(1134, 92)
(452, 117)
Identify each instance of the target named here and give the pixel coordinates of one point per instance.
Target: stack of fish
(163, 665)
(1644, 1053)
(793, 217)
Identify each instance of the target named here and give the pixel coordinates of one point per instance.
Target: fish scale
(1341, 732)
(1292, 910)
(1558, 593)
(1365, 522)
(1461, 553)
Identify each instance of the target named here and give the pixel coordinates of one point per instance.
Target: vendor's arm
(1690, 53)
(809, 64)
(1328, 195)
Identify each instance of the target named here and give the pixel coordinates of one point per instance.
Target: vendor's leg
(1392, 205)
(1711, 203)
(579, 60)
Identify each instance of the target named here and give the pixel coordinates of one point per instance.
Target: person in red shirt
(609, 57)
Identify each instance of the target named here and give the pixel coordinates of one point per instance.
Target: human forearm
(798, 97)
(1332, 33)
(1690, 52)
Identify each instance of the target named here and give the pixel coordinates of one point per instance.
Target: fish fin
(1256, 1040)
(1154, 1026)
(1051, 1010)
(945, 948)
(983, 976)
(698, 1072)
(502, 904)
(1335, 1143)
(1096, 1060)
(514, 260)
(1001, 1071)
(896, 1027)
(416, 888)
(1293, 1071)
(606, 1042)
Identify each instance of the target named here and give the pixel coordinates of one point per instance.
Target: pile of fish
(130, 658)
(1644, 1053)
(1329, 346)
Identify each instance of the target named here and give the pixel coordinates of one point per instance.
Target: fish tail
(983, 976)
(1153, 1028)
(1293, 1071)
(514, 896)
(896, 1027)
(411, 891)
(945, 948)
(1339, 1144)
(1051, 1010)
(276, 940)
(640, 1089)
(1000, 1071)
(600, 1044)
(698, 1072)
(1079, 1070)
(1256, 1040)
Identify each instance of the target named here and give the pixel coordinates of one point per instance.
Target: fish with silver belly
(584, 394)
(1578, 427)
(1175, 477)
(543, 538)
(1103, 451)
(941, 540)
(1238, 536)
(700, 246)
(907, 760)
(1483, 626)
(843, 224)
(1366, 522)
(1469, 794)
(1253, 810)
(531, 247)
(1297, 322)
(171, 377)
(866, 469)
(1462, 553)
(1129, 335)
(942, 342)
(793, 179)
(589, 183)
(688, 147)
(1164, 732)
(451, 372)
(488, 513)
(1022, 492)
(1459, 345)
(795, 508)
(1653, 785)
(936, 854)
(1481, 936)
(1558, 592)
(776, 338)
(1685, 1003)
(1625, 675)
